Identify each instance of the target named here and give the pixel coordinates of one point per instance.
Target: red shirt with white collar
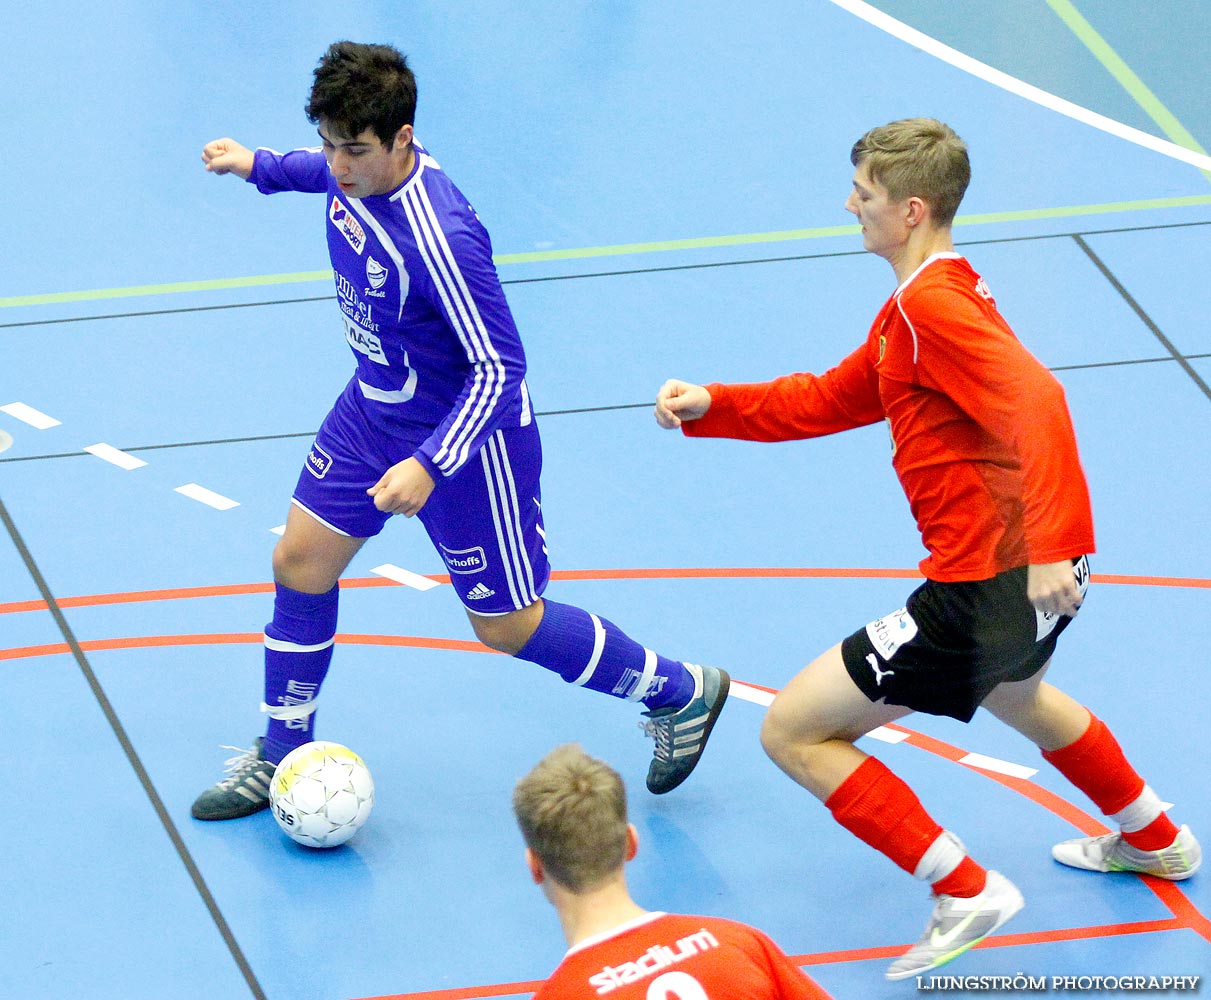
(674, 957)
(982, 439)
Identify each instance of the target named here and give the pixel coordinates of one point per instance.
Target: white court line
(279, 530)
(115, 456)
(407, 578)
(28, 415)
(1012, 84)
(999, 766)
(758, 696)
(885, 735)
(747, 692)
(208, 497)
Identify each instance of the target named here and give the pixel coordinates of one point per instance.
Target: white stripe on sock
(599, 638)
(649, 671)
(282, 646)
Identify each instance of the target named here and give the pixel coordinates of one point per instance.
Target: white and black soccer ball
(321, 794)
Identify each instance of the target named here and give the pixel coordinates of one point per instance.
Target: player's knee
(508, 633)
(489, 632)
(294, 567)
(778, 738)
(505, 633)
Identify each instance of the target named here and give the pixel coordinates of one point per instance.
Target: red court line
(997, 941)
(829, 957)
(1186, 916)
(228, 638)
(699, 573)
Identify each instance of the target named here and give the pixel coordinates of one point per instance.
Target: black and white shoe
(681, 733)
(243, 792)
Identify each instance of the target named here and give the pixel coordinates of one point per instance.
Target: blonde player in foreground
(573, 815)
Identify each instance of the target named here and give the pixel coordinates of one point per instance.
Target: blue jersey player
(436, 423)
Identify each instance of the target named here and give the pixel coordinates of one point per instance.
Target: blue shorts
(485, 521)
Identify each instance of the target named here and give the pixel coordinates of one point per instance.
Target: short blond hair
(919, 157)
(572, 810)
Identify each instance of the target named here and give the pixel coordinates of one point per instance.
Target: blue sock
(298, 650)
(591, 652)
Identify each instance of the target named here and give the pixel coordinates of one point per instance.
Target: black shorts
(954, 642)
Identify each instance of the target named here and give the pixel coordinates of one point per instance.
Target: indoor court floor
(664, 184)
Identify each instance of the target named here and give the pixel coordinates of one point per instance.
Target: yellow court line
(1127, 78)
(615, 250)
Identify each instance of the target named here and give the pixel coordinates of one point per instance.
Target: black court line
(609, 274)
(167, 312)
(252, 439)
(1169, 346)
(311, 434)
(131, 755)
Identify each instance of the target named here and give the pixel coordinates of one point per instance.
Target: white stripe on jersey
(527, 415)
(477, 343)
(385, 239)
(467, 323)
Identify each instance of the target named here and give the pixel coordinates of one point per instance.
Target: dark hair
(359, 87)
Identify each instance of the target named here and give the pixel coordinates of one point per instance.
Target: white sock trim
(645, 680)
(1141, 812)
(282, 646)
(289, 713)
(941, 858)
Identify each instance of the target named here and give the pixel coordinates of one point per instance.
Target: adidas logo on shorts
(479, 592)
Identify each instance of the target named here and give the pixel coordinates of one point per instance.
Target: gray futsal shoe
(243, 792)
(958, 924)
(1110, 853)
(681, 733)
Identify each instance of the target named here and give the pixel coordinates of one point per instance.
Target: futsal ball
(321, 794)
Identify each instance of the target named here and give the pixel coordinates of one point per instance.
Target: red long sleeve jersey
(982, 439)
(669, 956)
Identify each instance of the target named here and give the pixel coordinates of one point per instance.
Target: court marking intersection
(1184, 914)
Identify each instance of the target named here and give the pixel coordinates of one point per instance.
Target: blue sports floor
(664, 184)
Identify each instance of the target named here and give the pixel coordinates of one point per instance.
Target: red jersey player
(985, 451)
(573, 815)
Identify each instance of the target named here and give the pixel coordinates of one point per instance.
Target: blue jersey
(422, 307)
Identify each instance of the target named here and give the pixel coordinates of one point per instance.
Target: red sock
(967, 880)
(882, 811)
(1096, 765)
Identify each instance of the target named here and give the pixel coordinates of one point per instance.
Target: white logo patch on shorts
(318, 462)
(1046, 621)
(465, 560)
(889, 633)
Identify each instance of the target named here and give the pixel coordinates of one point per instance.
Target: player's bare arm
(1052, 587)
(403, 489)
(226, 156)
(678, 401)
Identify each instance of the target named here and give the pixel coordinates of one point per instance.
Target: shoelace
(661, 730)
(238, 766)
